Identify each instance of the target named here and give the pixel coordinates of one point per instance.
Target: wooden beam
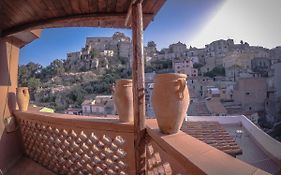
(138, 87)
(116, 19)
(128, 17)
(65, 21)
(129, 13)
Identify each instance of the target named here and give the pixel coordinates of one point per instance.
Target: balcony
(69, 144)
(43, 143)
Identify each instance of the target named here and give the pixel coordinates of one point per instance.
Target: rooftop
(214, 134)
(258, 148)
(252, 153)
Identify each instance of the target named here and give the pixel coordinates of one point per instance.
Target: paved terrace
(258, 148)
(252, 154)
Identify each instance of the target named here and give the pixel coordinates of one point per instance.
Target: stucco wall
(10, 146)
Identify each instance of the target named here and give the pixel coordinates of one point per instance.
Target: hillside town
(127, 87)
(224, 78)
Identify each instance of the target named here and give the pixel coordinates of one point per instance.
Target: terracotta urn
(123, 99)
(23, 98)
(170, 101)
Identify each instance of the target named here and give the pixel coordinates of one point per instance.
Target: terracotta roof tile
(213, 134)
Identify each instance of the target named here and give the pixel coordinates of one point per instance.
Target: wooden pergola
(21, 21)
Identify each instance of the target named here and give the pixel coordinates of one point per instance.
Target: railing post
(138, 86)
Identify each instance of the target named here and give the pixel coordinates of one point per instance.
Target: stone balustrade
(69, 144)
(78, 145)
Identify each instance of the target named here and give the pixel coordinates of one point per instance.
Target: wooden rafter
(95, 19)
(129, 13)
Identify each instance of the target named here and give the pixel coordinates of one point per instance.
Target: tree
(57, 67)
(217, 71)
(29, 76)
(94, 53)
(197, 65)
(30, 70)
(33, 84)
(151, 44)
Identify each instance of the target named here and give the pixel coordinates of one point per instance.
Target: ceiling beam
(87, 20)
(64, 21)
(129, 13)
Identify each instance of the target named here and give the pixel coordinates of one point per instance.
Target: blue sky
(194, 22)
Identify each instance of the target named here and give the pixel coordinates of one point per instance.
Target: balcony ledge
(197, 156)
(184, 153)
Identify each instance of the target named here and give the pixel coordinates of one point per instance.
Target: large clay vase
(23, 98)
(123, 98)
(170, 100)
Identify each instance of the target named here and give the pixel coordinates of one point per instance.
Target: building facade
(250, 93)
(185, 66)
(101, 105)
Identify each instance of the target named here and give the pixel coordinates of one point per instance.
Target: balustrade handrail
(195, 156)
(69, 144)
(97, 123)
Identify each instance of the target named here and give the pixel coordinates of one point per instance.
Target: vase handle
(182, 84)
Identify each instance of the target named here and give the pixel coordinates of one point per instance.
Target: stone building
(200, 85)
(275, 55)
(101, 105)
(218, 49)
(165, 54)
(250, 93)
(178, 49)
(236, 58)
(73, 55)
(98, 43)
(261, 65)
(124, 49)
(197, 55)
(118, 44)
(215, 107)
(185, 66)
(273, 100)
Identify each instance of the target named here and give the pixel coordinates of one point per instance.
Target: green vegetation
(71, 90)
(94, 53)
(29, 76)
(159, 66)
(217, 71)
(197, 65)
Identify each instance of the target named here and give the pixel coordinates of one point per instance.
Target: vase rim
(124, 81)
(170, 75)
(22, 87)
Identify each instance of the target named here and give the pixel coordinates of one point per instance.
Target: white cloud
(256, 21)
